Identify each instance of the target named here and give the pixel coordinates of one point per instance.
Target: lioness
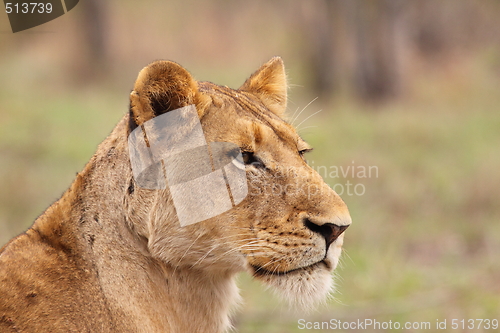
(111, 256)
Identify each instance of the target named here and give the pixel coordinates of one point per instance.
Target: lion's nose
(329, 231)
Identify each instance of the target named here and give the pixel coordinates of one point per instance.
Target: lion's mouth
(261, 271)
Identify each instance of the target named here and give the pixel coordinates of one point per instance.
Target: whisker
(293, 115)
(186, 252)
(305, 107)
(270, 263)
(301, 129)
(308, 118)
(239, 247)
(227, 252)
(345, 253)
(224, 243)
(204, 256)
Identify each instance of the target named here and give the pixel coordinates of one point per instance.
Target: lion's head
(287, 231)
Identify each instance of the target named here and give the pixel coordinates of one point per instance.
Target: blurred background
(410, 88)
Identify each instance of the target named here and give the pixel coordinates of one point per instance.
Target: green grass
(425, 240)
(45, 140)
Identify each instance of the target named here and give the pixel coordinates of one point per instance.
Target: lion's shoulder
(41, 281)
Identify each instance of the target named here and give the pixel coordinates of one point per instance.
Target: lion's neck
(192, 301)
(147, 294)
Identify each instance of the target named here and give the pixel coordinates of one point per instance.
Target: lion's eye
(303, 151)
(249, 158)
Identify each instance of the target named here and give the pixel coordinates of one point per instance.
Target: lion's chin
(302, 288)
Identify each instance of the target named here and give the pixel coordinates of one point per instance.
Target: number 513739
(28, 7)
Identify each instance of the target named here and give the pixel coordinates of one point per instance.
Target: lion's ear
(269, 84)
(160, 87)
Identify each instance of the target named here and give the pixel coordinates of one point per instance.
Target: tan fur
(110, 256)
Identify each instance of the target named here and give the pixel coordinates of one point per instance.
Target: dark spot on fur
(58, 231)
(131, 122)
(111, 151)
(96, 218)
(91, 240)
(55, 241)
(31, 298)
(10, 323)
(131, 188)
